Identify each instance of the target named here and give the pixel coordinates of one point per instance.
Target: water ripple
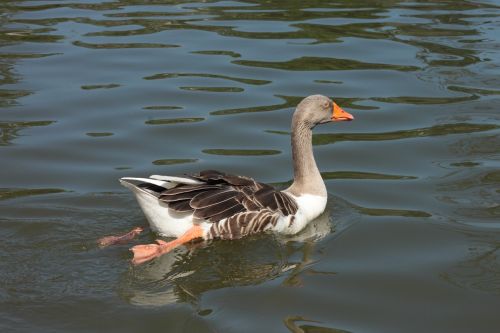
(10, 130)
(322, 64)
(162, 76)
(241, 152)
(100, 86)
(214, 89)
(413, 187)
(172, 121)
(123, 45)
(12, 193)
(438, 130)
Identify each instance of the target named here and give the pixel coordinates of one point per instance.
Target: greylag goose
(212, 204)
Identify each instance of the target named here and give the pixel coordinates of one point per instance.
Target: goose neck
(307, 178)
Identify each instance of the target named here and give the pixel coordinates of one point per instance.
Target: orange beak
(340, 115)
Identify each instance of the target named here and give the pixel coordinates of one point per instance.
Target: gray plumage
(235, 205)
(229, 206)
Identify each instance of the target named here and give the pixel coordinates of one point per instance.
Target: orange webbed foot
(143, 253)
(146, 252)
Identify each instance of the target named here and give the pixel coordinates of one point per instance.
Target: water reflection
(214, 89)
(480, 271)
(392, 212)
(123, 45)
(437, 130)
(298, 324)
(100, 86)
(331, 175)
(217, 52)
(12, 193)
(9, 97)
(315, 21)
(435, 54)
(361, 175)
(322, 64)
(206, 75)
(477, 91)
(99, 134)
(425, 100)
(170, 161)
(10, 130)
(469, 193)
(185, 274)
(415, 69)
(241, 152)
(172, 121)
(289, 101)
(163, 107)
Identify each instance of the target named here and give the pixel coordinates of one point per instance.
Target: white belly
(309, 207)
(162, 219)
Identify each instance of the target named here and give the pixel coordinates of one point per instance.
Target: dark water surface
(95, 90)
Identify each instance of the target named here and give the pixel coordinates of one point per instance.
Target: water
(96, 90)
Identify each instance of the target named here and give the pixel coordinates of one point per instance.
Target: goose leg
(111, 240)
(143, 253)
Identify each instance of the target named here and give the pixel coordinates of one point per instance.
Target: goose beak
(340, 115)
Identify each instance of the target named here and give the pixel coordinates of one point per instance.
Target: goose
(216, 205)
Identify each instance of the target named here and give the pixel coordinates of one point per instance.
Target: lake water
(95, 90)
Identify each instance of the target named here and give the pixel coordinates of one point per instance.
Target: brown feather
(289, 204)
(279, 202)
(211, 197)
(210, 176)
(247, 205)
(227, 213)
(250, 205)
(188, 188)
(265, 197)
(215, 209)
(238, 180)
(180, 206)
(168, 197)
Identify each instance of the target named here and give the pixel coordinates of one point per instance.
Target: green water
(95, 90)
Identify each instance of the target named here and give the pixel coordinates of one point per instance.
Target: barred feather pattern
(243, 224)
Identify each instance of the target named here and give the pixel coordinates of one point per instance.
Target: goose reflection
(186, 273)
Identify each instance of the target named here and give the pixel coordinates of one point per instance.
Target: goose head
(319, 109)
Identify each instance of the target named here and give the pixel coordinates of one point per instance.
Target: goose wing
(218, 196)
